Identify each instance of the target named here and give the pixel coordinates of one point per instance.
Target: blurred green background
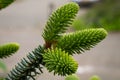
(105, 13)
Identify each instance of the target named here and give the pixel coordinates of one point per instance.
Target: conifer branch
(28, 68)
(56, 54)
(8, 49)
(58, 21)
(59, 62)
(80, 41)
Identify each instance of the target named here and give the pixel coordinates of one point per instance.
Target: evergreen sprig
(60, 62)
(80, 41)
(56, 54)
(28, 68)
(59, 20)
(8, 49)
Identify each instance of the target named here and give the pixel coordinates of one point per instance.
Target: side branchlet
(59, 21)
(78, 42)
(59, 62)
(8, 49)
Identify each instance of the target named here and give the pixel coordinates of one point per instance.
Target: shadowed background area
(23, 22)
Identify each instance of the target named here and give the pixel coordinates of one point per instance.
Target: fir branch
(55, 54)
(82, 40)
(59, 20)
(8, 49)
(60, 62)
(28, 68)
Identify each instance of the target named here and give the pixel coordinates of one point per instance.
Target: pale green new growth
(60, 62)
(80, 41)
(59, 20)
(8, 49)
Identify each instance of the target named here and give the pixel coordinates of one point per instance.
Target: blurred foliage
(2, 66)
(104, 14)
(95, 77)
(5, 3)
(2, 78)
(75, 77)
(79, 24)
(72, 77)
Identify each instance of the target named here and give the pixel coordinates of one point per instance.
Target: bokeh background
(24, 20)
